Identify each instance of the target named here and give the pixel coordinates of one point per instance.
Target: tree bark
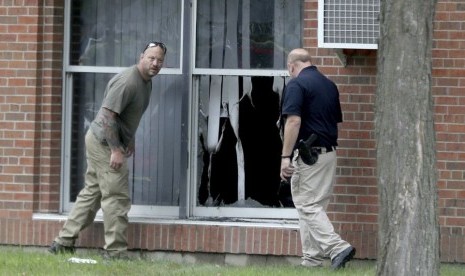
(404, 127)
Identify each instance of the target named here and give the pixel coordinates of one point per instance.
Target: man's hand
(291, 131)
(116, 159)
(286, 169)
(130, 149)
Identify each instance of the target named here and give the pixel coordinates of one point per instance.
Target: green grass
(24, 261)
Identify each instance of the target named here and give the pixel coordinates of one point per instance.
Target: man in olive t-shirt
(128, 95)
(109, 142)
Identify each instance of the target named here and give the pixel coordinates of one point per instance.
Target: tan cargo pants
(311, 188)
(105, 188)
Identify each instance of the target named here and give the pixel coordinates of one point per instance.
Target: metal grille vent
(349, 24)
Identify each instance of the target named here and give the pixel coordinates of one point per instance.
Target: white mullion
(240, 72)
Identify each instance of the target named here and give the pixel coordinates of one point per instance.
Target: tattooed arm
(110, 127)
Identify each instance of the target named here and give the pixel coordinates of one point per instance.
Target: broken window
(239, 50)
(241, 148)
(239, 142)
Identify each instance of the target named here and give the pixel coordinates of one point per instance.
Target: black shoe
(57, 248)
(115, 256)
(342, 258)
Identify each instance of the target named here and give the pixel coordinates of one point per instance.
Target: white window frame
(139, 211)
(185, 209)
(214, 212)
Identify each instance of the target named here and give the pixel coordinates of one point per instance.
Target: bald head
(297, 60)
(300, 55)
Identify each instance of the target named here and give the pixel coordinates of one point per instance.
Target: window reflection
(154, 168)
(113, 32)
(247, 34)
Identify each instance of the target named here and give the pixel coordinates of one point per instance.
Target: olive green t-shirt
(127, 94)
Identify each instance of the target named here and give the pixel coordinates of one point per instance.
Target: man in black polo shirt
(311, 106)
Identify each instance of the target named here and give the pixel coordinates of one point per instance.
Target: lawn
(24, 261)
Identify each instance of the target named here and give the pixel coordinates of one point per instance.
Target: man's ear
(291, 69)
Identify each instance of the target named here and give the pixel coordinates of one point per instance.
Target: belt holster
(308, 154)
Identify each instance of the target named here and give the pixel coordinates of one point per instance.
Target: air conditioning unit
(348, 24)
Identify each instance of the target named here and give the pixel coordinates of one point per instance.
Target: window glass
(239, 144)
(154, 168)
(87, 96)
(114, 32)
(233, 34)
(247, 34)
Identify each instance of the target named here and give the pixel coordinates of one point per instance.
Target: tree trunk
(406, 168)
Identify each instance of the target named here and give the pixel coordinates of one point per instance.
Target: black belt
(322, 150)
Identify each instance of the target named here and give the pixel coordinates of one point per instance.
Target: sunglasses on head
(155, 44)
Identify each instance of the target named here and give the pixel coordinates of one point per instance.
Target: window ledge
(264, 223)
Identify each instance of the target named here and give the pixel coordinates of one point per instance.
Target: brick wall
(449, 100)
(31, 35)
(31, 43)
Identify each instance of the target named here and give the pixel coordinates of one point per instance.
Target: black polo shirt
(314, 98)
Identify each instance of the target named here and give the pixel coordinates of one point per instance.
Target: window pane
(114, 32)
(237, 124)
(154, 169)
(247, 34)
(87, 97)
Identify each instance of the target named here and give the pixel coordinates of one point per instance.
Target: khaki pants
(105, 188)
(311, 188)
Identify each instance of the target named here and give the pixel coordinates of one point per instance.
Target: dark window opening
(261, 149)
